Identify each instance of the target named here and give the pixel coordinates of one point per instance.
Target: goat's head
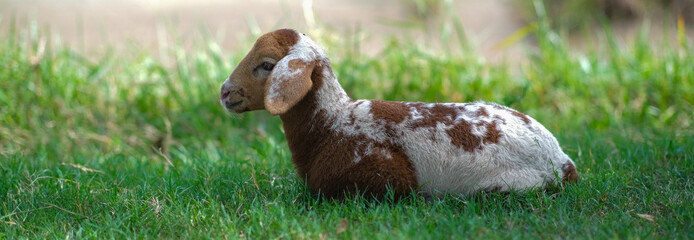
(275, 75)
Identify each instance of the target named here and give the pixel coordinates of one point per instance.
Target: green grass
(126, 146)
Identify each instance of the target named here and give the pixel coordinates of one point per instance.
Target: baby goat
(343, 146)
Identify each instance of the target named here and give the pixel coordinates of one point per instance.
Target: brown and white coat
(340, 145)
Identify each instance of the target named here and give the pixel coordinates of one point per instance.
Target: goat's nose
(225, 93)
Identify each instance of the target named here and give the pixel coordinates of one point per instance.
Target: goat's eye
(267, 66)
(263, 69)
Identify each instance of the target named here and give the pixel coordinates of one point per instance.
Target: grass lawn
(128, 146)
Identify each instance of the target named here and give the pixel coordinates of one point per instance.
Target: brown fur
(461, 136)
(482, 112)
(394, 112)
(493, 134)
(570, 174)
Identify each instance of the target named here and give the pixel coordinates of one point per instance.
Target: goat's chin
(238, 109)
(235, 106)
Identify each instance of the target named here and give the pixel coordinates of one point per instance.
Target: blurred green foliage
(577, 14)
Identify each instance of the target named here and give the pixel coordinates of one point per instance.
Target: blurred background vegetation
(576, 14)
(58, 99)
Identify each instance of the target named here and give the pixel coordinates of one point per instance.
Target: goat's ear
(287, 84)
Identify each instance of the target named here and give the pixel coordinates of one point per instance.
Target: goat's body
(344, 146)
(339, 144)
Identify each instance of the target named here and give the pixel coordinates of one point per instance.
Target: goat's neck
(307, 123)
(327, 100)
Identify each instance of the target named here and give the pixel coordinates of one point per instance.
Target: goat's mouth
(232, 106)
